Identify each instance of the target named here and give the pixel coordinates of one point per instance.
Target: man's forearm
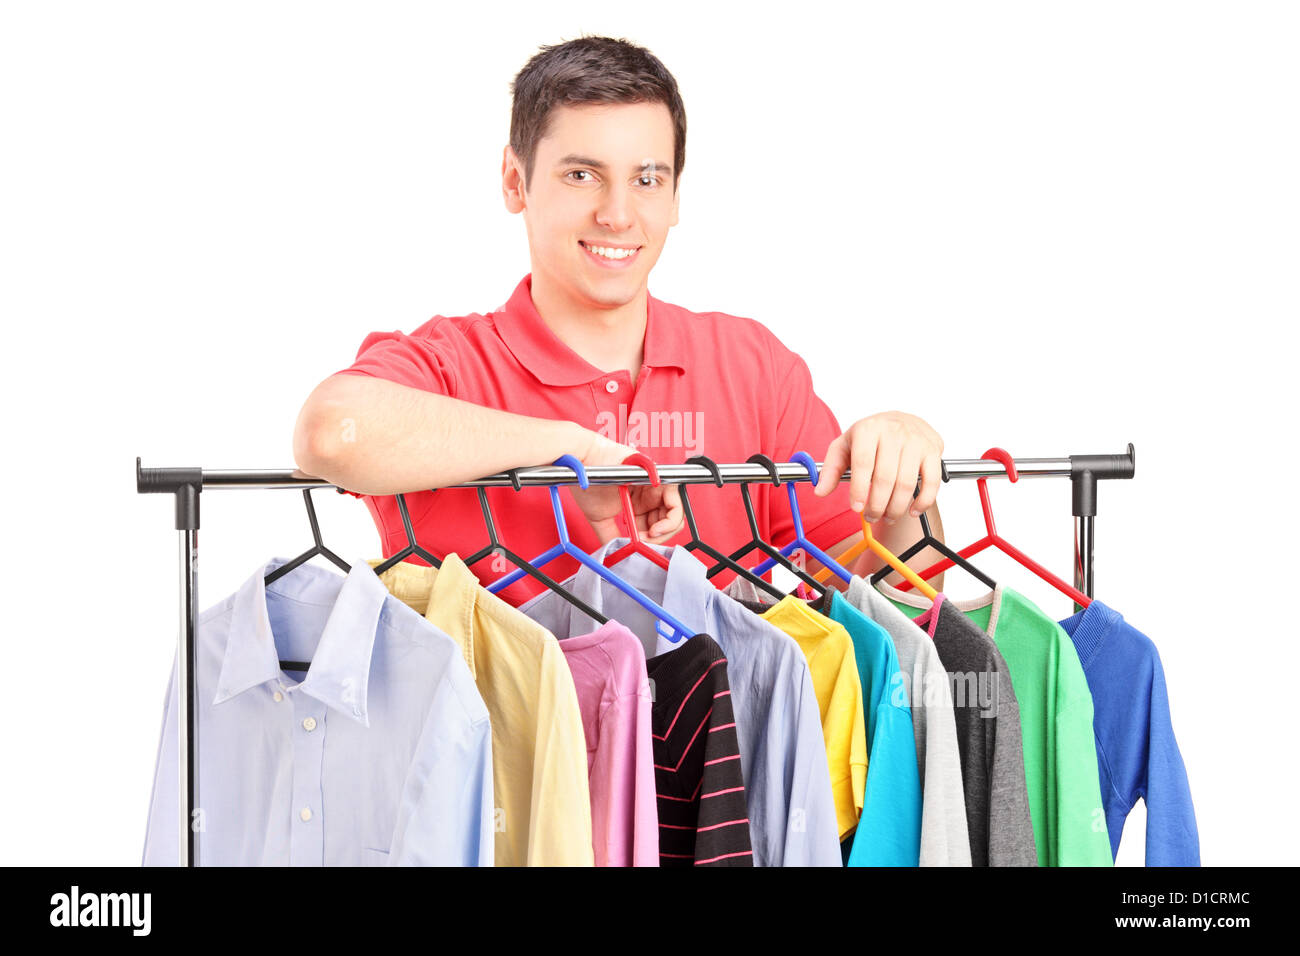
(376, 437)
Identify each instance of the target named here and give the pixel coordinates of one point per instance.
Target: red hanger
(992, 538)
(636, 545)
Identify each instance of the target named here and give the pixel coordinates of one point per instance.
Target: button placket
(307, 840)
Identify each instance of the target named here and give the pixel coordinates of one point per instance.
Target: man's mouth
(610, 255)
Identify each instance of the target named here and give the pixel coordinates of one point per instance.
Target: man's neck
(609, 338)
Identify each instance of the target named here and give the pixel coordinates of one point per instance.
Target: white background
(1055, 228)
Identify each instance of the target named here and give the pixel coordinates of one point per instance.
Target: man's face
(602, 180)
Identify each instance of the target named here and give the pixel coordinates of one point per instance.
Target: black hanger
(317, 548)
(411, 546)
(931, 541)
(758, 544)
(495, 546)
(697, 544)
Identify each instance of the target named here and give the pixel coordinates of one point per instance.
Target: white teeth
(609, 253)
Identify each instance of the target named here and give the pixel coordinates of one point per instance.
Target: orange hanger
(869, 541)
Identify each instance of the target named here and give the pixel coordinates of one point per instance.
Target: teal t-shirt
(889, 830)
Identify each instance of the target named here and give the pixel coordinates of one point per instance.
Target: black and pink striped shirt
(703, 820)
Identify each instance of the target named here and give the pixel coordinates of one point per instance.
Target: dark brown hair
(590, 69)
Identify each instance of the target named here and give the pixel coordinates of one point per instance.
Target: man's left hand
(886, 453)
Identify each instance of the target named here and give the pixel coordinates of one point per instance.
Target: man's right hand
(658, 509)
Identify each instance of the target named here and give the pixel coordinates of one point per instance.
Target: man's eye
(654, 180)
(580, 172)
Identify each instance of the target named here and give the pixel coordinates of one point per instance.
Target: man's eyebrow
(573, 159)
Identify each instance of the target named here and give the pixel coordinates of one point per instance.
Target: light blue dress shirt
(380, 755)
(778, 723)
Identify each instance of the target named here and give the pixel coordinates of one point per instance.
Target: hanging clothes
(945, 839)
(609, 672)
(543, 808)
(1137, 754)
(703, 820)
(829, 650)
(783, 755)
(381, 755)
(989, 741)
(889, 831)
(1056, 723)
(1055, 719)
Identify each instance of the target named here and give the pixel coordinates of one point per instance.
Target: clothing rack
(186, 484)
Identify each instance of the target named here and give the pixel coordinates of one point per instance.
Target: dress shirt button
(611, 386)
(277, 697)
(309, 723)
(305, 814)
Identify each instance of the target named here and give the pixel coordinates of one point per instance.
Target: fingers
(659, 512)
(836, 460)
(883, 473)
(909, 465)
(931, 477)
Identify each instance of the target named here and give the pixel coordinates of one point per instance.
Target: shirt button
(277, 697)
(309, 723)
(305, 814)
(611, 386)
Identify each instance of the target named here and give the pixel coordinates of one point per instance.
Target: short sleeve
(425, 360)
(417, 361)
(806, 423)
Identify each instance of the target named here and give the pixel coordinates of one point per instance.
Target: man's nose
(615, 210)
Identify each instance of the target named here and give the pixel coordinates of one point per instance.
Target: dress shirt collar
(446, 597)
(340, 667)
(543, 353)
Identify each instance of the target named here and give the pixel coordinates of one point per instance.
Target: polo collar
(340, 667)
(551, 362)
(446, 597)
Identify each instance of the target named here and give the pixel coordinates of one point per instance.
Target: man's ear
(512, 181)
(677, 195)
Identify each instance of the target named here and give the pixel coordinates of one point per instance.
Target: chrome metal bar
(544, 475)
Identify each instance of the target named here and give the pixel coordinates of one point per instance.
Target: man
(582, 360)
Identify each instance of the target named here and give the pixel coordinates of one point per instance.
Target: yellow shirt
(539, 748)
(829, 650)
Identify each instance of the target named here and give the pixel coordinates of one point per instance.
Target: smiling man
(581, 359)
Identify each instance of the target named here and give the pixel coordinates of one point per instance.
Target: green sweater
(1056, 722)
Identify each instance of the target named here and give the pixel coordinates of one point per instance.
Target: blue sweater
(1137, 754)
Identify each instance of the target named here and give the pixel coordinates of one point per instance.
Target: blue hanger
(667, 625)
(805, 459)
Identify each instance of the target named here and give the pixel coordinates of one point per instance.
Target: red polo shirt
(710, 383)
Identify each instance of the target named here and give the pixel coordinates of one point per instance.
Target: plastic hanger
(928, 540)
(675, 631)
(315, 549)
(635, 545)
(697, 544)
(411, 546)
(800, 542)
(993, 539)
(757, 543)
(870, 543)
(495, 546)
